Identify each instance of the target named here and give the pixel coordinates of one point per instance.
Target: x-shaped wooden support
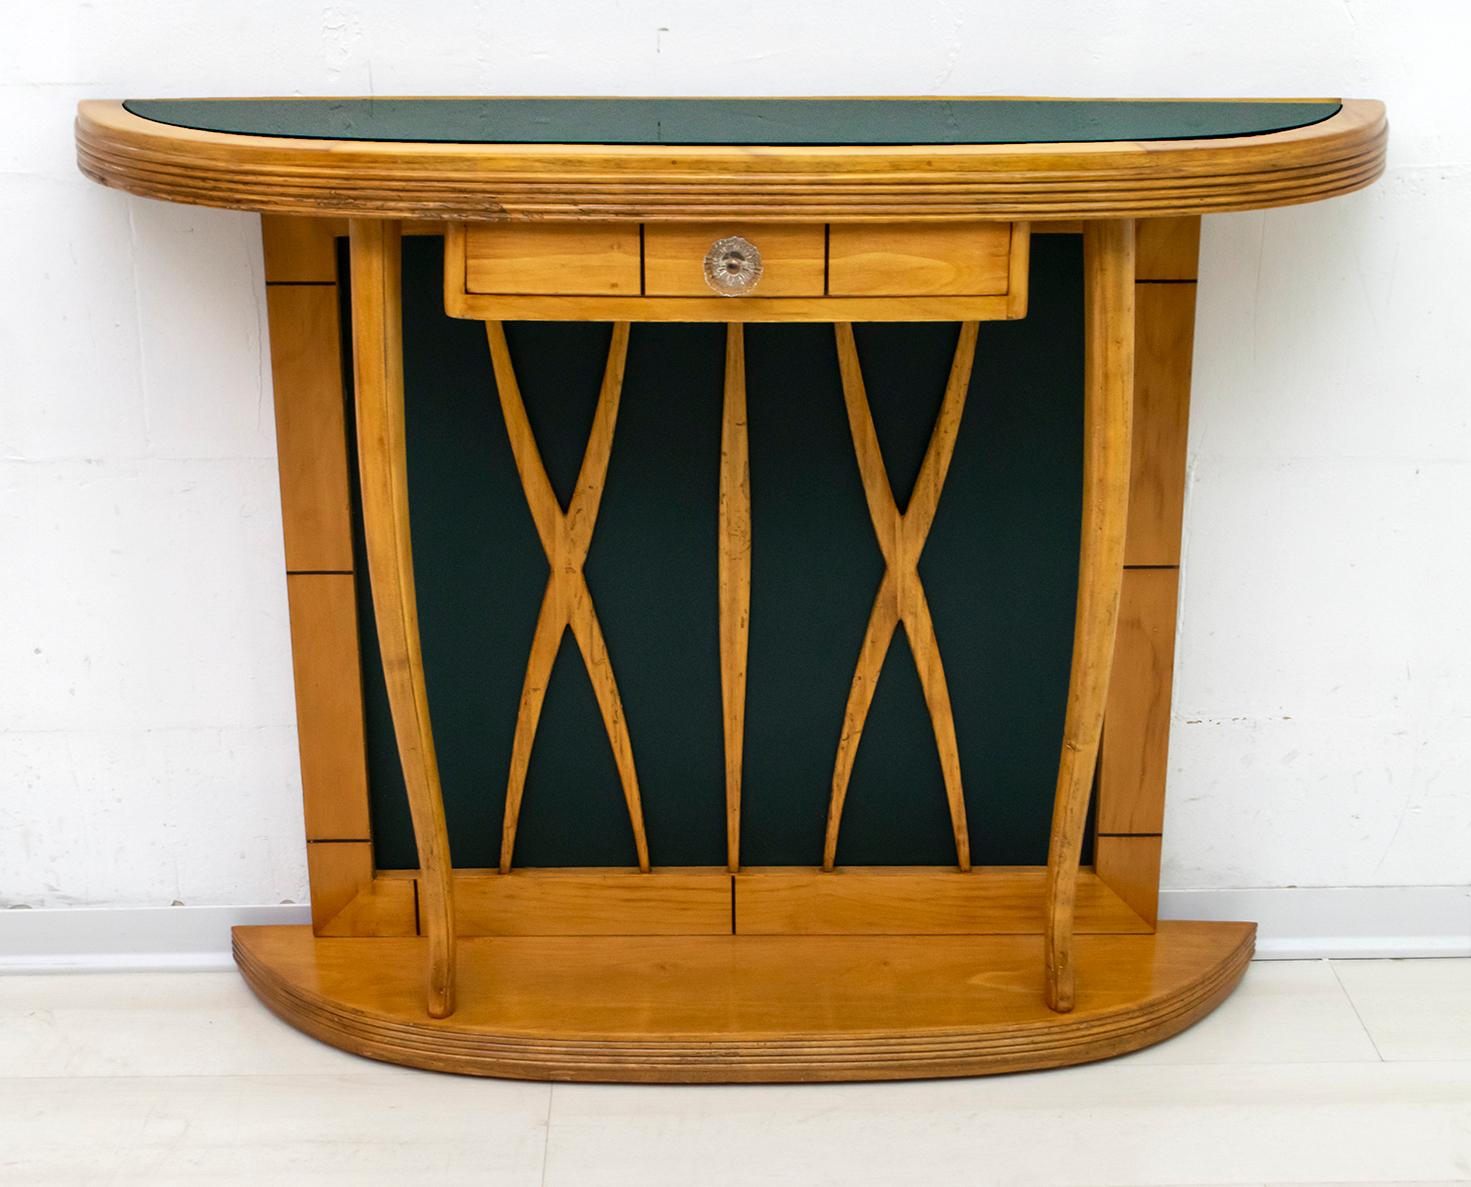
(901, 598)
(567, 603)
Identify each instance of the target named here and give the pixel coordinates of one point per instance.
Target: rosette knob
(732, 266)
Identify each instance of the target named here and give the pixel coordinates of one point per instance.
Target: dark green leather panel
(999, 570)
(734, 121)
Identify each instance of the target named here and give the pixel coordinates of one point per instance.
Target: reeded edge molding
(768, 1058)
(1037, 182)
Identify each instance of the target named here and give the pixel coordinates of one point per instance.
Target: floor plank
(277, 1130)
(1284, 1011)
(1413, 1009)
(185, 1078)
(153, 1024)
(1122, 1122)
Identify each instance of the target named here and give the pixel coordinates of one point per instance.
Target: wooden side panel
(1136, 730)
(593, 903)
(1134, 759)
(338, 870)
(1164, 332)
(311, 436)
(1168, 249)
(793, 257)
(329, 705)
(900, 901)
(385, 906)
(300, 250)
(918, 259)
(1130, 867)
(592, 259)
(311, 442)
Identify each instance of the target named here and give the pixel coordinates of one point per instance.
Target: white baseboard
(123, 939)
(1295, 923)
(1312, 922)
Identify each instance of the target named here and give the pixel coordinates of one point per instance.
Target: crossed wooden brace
(567, 602)
(901, 598)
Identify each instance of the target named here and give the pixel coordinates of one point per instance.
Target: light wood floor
(1316, 1072)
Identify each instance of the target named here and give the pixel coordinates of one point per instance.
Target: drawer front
(575, 259)
(918, 259)
(792, 259)
(736, 272)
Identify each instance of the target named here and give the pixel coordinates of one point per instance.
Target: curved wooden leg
(1108, 267)
(377, 345)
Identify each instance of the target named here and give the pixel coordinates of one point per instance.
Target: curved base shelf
(748, 1008)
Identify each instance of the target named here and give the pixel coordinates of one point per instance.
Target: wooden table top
(788, 160)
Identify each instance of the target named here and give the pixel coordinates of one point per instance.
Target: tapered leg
(883, 620)
(734, 580)
(925, 647)
(377, 344)
(551, 624)
(583, 622)
(1108, 268)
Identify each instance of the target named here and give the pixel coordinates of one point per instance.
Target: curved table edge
(1033, 182)
(277, 968)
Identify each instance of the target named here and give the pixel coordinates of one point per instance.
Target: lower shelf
(688, 1009)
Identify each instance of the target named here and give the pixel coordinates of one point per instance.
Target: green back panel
(734, 121)
(999, 570)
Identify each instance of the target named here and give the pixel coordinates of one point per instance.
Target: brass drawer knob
(732, 266)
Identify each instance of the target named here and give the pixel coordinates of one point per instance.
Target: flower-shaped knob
(732, 266)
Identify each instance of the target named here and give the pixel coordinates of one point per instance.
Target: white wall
(1323, 707)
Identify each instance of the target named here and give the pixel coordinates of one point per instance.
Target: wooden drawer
(813, 272)
(918, 259)
(793, 258)
(576, 259)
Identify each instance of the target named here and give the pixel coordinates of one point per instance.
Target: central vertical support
(377, 351)
(734, 579)
(1108, 402)
(901, 598)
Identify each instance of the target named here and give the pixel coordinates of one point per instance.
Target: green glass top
(734, 121)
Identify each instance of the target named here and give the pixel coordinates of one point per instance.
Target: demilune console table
(792, 482)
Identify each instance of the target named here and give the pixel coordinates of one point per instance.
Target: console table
(792, 483)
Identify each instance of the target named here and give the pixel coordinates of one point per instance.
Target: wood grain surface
(377, 347)
(691, 1009)
(901, 597)
(1116, 179)
(1108, 383)
(566, 604)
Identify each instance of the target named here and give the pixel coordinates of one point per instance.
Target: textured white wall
(1323, 706)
